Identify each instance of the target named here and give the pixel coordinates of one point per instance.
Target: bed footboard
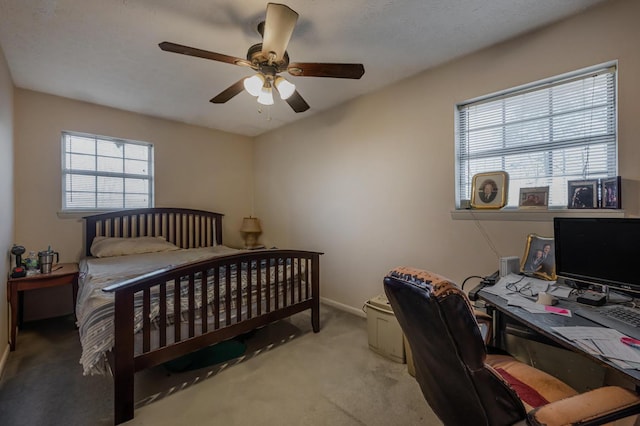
(169, 313)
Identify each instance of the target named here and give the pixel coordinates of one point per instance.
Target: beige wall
(371, 183)
(6, 195)
(195, 167)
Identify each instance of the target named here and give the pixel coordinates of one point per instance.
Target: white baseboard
(343, 307)
(3, 359)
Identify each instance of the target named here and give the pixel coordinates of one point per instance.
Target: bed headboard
(185, 228)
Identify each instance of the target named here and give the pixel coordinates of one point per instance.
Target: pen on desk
(630, 341)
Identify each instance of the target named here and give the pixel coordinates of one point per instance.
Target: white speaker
(509, 265)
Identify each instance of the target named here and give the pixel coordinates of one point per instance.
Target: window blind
(101, 173)
(544, 135)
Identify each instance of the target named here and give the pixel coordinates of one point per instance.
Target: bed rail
(220, 298)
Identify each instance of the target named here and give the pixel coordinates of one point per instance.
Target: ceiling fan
(269, 59)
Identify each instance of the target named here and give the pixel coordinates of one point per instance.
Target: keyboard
(626, 315)
(622, 318)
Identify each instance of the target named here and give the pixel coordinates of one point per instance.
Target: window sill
(531, 215)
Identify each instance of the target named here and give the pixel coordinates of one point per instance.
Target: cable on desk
(468, 278)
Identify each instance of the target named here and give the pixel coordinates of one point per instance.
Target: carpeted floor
(288, 376)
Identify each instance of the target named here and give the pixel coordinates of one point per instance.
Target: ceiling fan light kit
(270, 58)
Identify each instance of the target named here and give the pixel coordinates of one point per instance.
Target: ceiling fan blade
(229, 92)
(311, 69)
(278, 27)
(199, 53)
(297, 102)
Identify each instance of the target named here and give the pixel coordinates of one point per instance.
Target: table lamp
(250, 230)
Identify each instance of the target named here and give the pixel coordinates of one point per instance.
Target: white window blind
(544, 135)
(101, 173)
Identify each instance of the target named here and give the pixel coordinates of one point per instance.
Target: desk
(542, 323)
(61, 274)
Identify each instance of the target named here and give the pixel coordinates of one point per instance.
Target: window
(544, 134)
(102, 173)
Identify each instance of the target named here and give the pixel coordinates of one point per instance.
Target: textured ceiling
(106, 51)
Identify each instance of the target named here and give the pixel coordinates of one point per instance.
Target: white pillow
(115, 246)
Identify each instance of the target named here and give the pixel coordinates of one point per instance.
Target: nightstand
(61, 274)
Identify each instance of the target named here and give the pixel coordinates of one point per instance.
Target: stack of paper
(603, 342)
(527, 300)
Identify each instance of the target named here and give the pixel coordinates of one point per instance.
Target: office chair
(466, 386)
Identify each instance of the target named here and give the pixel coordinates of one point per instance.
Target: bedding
(95, 307)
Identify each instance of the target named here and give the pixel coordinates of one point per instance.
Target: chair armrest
(595, 407)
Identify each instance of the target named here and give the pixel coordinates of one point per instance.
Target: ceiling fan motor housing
(257, 58)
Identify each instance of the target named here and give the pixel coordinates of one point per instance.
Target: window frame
(150, 176)
(559, 80)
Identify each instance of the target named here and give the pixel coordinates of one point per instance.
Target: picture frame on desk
(539, 257)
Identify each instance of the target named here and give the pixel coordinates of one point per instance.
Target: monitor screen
(598, 250)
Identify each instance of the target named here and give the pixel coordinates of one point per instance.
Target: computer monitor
(602, 251)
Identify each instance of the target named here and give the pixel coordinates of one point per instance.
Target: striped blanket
(94, 309)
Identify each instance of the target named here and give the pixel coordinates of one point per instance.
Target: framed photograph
(534, 198)
(539, 257)
(583, 194)
(489, 190)
(611, 192)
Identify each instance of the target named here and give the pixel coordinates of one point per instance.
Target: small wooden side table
(61, 274)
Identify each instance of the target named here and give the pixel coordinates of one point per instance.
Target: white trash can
(385, 334)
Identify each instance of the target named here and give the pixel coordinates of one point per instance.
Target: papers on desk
(603, 342)
(510, 289)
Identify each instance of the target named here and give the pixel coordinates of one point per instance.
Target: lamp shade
(254, 84)
(285, 88)
(266, 96)
(250, 224)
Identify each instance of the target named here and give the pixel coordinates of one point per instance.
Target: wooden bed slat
(249, 292)
(277, 285)
(192, 306)
(259, 288)
(238, 292)
(176, 310)
(227, 294)
(146, 322)
(162, 322)
(216, 296)
(203, 300)
(268, 292)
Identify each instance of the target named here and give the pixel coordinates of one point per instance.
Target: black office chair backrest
(448, 351)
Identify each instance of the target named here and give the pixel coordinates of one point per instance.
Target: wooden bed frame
(188, 228)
